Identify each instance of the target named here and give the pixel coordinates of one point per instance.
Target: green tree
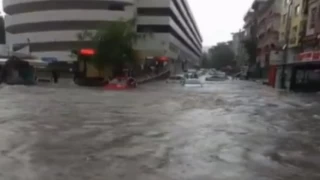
(221, 56)
(251, 48)
(114, 45)
(205, 61)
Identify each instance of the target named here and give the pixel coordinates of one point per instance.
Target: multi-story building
(300, 28)
(311, 29)
(306, 67)
(251, 19)
(49, 28)
(292, 25)
(176, 33)
(268, 25)
(250, 36)
(250, 25)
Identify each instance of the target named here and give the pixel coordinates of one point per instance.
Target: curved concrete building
(50, 26)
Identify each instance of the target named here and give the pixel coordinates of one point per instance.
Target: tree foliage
(221, 56)
(114, 45)
(251, 48)
(205, 60)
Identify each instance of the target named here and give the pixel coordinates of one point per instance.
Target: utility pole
(286, 46)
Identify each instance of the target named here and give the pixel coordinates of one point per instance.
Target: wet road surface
(229, 130)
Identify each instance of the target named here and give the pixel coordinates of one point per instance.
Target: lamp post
(285, 48)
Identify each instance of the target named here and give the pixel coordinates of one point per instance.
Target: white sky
(217, 19)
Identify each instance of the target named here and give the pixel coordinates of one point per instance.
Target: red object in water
(163, 59)
(87, 52)
(116, 87)
(121, 84)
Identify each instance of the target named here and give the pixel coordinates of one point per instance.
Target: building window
(297, 10)
(294, 30)
(313, 18)
(116, 7)
(154, 12)
(293, 35)
(170, 13)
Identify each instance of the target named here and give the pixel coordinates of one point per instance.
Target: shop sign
(309, 56)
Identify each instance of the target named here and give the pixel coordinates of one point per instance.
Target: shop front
(306, 72)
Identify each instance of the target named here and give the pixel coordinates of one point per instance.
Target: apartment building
(300, 30)
(292, 25)
(311, 29)
(268, 32)
(49, 28)
(306, 70)
(250, 25)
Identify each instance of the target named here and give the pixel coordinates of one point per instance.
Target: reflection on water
(224, 131)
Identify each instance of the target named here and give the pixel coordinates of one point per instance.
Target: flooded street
(231, 130)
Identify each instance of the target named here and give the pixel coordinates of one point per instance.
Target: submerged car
(175, 79)
(121, 83)
(191, 76)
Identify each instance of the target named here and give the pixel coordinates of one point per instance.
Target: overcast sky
(217, 19)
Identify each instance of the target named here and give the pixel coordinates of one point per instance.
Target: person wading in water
(55, 76)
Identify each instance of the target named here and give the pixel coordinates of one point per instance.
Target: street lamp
(285, 48)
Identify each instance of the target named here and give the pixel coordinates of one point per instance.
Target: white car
(191, 76)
